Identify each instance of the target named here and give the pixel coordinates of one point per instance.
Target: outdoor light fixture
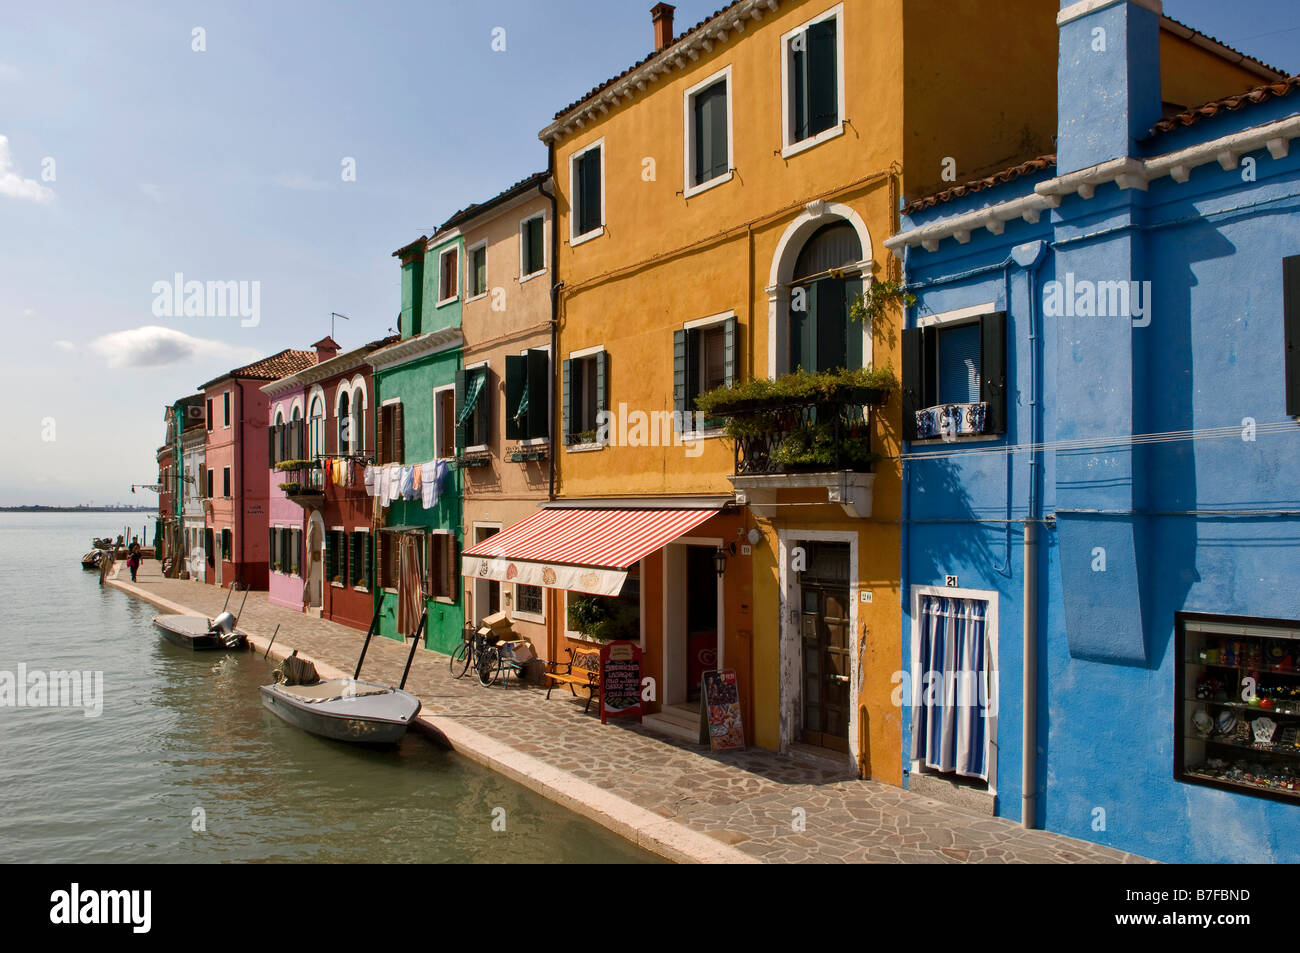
(720, 561)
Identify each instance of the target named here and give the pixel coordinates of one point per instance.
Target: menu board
(620, 680)
(722, 707)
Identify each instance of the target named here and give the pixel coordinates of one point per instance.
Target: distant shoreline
(79, 509)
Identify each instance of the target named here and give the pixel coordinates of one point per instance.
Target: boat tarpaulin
(582, 549)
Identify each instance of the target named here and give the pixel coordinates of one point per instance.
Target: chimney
(326, 348)
(662, 16)
(1108, 79)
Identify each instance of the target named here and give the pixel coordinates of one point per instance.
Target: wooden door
(826, 666)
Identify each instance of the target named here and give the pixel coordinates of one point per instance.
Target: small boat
(344, 709)
(201, 633)
(92, 559)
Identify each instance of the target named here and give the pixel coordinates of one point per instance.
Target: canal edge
(664, 837)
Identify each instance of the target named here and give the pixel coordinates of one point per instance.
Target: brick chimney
(662, 16)
(326, 348)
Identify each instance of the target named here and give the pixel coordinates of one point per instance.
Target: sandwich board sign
(720, 710)
(620, 680)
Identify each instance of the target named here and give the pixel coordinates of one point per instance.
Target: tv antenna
(333, 315)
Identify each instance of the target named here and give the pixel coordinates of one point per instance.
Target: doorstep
(950, 791)
(680, 722)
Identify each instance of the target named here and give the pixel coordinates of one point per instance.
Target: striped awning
(586, 550)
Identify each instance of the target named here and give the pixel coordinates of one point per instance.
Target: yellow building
(719, 206)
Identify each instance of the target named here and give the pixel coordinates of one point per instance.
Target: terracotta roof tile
(1259, 94)
(282, 364)
(470, 211)
(979, 185)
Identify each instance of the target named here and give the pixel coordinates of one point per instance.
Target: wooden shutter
(516, 381)
(449, 565)
(399, 435)
(799, 91)
(730, 350)
(566, 402)
(1291, 332)
(993, 375)
(680, 384)
(832, 318)
(382, 429)
(538, 373)
(461, 378)
(602, 383)
(331, 556)
(589, 190)
(913, 380)
(711, 146)
(823, 83)
(810, 356)
(533, 246)
(270, 446)
(482, 419)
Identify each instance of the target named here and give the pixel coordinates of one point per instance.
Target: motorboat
(201, 633)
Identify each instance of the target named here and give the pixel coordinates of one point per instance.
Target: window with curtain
(952, 687)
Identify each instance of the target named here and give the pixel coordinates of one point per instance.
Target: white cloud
(65, 345)
(15, 186)
(154, 346)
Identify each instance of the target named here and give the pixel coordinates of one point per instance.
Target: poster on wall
(620, 680)
(721, 706)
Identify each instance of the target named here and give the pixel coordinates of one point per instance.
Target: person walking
(133, 563)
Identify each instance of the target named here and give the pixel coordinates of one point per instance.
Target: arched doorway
(315, 566)
(820, 265)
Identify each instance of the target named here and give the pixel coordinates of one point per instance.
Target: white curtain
(950, 698)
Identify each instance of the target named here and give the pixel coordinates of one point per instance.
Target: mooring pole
(272, 642)
(410, 657)
(366, 644)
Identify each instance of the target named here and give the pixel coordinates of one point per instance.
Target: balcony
(303, 482)
(803, 431)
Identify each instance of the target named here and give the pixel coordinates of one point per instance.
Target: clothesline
(387, 483)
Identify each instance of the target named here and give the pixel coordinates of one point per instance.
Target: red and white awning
(586, 550)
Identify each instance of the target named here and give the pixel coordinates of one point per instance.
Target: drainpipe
(1030, 257)
(905, 514)
(239, 473)
(555, 327)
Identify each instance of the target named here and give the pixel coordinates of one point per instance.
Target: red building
(235, 464)
(336, 526)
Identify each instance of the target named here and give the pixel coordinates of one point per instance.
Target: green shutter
(680, 390)
(993, 376)
(823, 86)
(516, 387)
(853, 329)
(589, 211)
(711, 146)
(461, 377)
(832, 325)
(483, 412)
(534, 259)
(270, 446)
(566, 401)
(810, 358)
(799, 90)
(913, 383)
(731, 354)
(330, 557)
(538, 376)
(602, 381)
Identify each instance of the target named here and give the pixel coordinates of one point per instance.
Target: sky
(129, 155)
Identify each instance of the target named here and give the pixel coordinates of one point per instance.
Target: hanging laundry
(408, 483)
(394, 483)
(429, 485)
(418, 473)
(370, 480)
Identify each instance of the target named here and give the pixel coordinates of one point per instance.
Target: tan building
(506, 320)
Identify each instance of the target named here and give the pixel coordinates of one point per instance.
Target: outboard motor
(224, 623)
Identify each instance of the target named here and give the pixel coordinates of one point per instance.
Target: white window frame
(454, 247)
(317, 392)
(689, 188)
(443, 388)
(359, 387)
(990, 598)
(581, 354)
(943, 321)
(550, 397)
(789, 148)
(478, 447)
(517, 613)
(574, 237)
(469, 251)
(545, 246)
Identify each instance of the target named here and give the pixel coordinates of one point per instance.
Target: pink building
(285, 413)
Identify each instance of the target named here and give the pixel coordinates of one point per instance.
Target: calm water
(182, 730)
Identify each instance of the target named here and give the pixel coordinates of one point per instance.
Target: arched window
(359, 419)
(822, 336)
(316, 428)
(345, 423)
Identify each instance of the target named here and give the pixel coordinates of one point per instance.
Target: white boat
(201, 633)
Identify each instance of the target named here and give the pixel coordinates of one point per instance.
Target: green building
(415, 406)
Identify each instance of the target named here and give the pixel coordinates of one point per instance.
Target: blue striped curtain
(950, 697)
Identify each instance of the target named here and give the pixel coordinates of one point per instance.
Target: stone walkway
(746, 799)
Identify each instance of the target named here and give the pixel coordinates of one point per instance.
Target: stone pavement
(746, 799)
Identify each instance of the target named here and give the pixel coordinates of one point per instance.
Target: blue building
(1101, 547)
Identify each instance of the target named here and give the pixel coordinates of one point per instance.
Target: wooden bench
(582, 670)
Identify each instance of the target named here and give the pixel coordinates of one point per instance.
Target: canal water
(185, 765)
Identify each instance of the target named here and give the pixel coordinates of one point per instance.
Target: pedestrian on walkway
(133, 563)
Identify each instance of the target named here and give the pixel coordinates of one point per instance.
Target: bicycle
(479, 651)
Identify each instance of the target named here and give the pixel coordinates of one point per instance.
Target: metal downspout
(1029, 686)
